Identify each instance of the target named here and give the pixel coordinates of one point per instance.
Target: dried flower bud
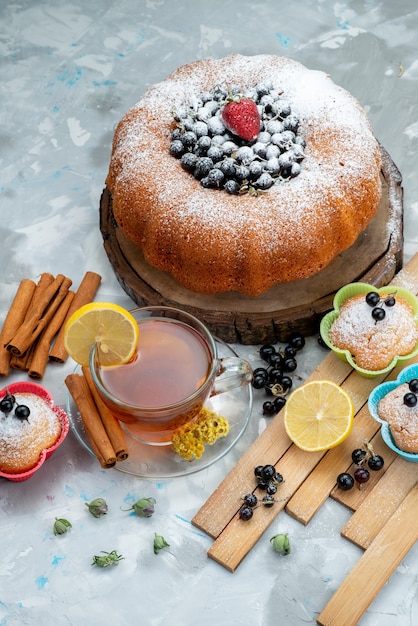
(281, 544)
(143, 507)
(97, 507)
(61, 526)
(109, 558)
(159, 543)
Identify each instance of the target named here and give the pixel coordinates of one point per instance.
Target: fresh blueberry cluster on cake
(239, 140)
(302, 172)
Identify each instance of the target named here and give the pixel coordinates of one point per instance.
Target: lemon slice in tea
(318, 415)
(109, 325)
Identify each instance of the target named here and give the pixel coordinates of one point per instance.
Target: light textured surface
(69, 71)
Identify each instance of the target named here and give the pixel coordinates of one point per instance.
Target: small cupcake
(31, 428)
(372, 328)
(394, 404)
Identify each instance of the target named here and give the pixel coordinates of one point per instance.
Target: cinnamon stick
(84, 294)
(21, 361)
(112, 426)
(13, 321)
(95, 431)
(42, 313)
(39, 357)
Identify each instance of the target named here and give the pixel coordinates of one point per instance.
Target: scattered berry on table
(361, 475)
(246, 512)
(375, 462)
(345, 481)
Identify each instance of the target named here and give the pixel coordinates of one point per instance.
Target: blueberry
(177, 148)
(215, 153)
(242, 173)
(228, 167)
(188, 161)
(189, 139)
(203, 167)
(265, 181)
(232, 186)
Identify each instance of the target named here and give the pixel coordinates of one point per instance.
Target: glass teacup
(175, 371)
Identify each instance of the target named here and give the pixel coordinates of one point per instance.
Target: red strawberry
(242, 118)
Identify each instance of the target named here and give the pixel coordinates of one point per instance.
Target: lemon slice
(109, 325)
(318, 415)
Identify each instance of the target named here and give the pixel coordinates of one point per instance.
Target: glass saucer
(147, 461)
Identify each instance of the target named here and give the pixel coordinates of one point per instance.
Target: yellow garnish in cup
(109, 325)
(318, 415)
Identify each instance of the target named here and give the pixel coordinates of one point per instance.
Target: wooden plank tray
(298, 306)
(310, 480)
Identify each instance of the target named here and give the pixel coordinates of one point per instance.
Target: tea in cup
(175, 370)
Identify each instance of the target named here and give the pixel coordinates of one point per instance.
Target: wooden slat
(380, 504)
(375, 566)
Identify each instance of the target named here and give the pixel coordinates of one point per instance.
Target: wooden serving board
(385, 509)
(297, 306)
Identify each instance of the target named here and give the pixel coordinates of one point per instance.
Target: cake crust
(213, 242)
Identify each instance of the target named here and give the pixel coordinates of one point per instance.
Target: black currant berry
(258, 471)
(258, 382)
(286, 383)
(358, 455)
(372, 298)
(269, 408)
(275, 375)
(269, 471)
(410, 399)
(250, 499)
(266, 351)
(361, 475)
(345, 481)
(290, 364)
(22, 412)
(297, 342)
(275, 360)
(375, 462)
(290, 351)
(278, 478)
(413, 385)
(279, 403)
(6, 405)
(378, 314)
(268, 500)
(390, 301)
(271, 488)
(246, 512)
